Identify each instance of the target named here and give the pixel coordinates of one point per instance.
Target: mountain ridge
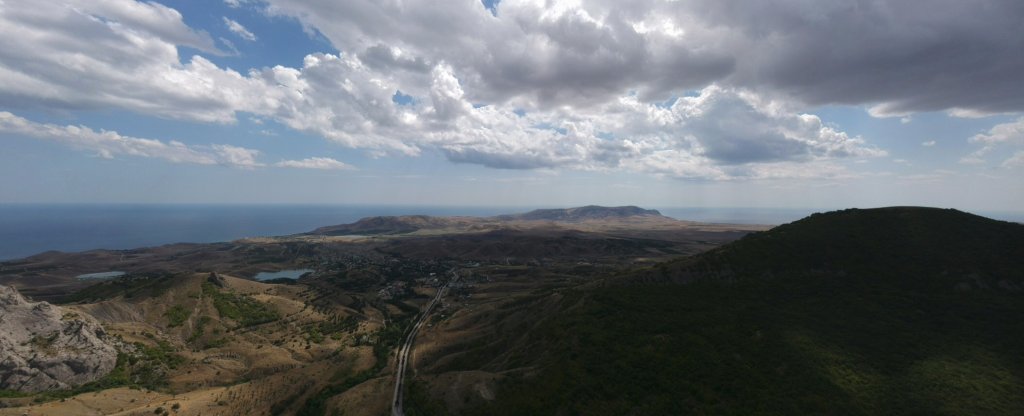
(588, 212)
(887, 240)
(403, 224)
(899, 310)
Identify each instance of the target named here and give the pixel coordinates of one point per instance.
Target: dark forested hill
(925, 242)
(861, 312)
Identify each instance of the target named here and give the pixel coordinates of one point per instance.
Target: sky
(698, 103)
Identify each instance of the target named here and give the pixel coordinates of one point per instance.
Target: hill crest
(385, 225)
(878, 241)
(589, 212)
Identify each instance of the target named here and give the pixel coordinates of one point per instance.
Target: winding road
(403, 352)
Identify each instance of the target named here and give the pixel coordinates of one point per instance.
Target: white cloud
(975, 158)
(110, 144)
(323, 163)
(342, 100)
(891, 56)
(236, 156)
(722, 132)
(234, 4)
(239, 30)
(78, 55)
(1014, 161)
(230, 45)
(999, 136)
(718, 134)
(928, 143)
(1012, 132)
(126, 18)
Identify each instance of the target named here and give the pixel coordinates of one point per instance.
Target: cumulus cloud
(719, 134)
(322, 163)
(113, 54)
(1014, 161)
(142, 18)
(109, 144)
(239, 30)
(897, 57)
(236, 156)
(568, 86)
(975, 158)
(341, 99)
(1000, 136)
(1009, 133)
(230, 45)
(928, 143)
(568, 53)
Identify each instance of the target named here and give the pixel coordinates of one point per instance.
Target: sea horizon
(28, 229)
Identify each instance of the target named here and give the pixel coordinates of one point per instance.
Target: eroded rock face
(45, 347)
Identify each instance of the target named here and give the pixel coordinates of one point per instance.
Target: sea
(27, 229)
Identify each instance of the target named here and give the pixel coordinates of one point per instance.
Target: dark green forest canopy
(882, 311)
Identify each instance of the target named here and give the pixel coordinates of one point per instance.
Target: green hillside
(860, 312)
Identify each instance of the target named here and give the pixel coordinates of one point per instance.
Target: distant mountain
(386, 225)
(881, 241)
(390, 225)
(589, 212)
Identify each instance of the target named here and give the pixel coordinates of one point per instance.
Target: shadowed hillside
(859, 312)
(883, 241)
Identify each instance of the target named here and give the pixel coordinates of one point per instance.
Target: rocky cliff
(45, 347)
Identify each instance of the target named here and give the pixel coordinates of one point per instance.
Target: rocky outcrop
(46, 347)
(215, 279)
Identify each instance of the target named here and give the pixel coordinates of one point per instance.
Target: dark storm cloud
(905, 55)
(383, 57)
(900, 56)
(705, 89)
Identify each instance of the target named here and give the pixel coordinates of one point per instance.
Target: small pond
(100, 275)
(286, 274)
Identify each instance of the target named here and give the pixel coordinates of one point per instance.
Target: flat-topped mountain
(411, 223)
(589, 212)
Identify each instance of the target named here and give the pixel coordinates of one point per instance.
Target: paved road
(403, 352)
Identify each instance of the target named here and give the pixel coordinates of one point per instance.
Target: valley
(212, 340)
(612, 311)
